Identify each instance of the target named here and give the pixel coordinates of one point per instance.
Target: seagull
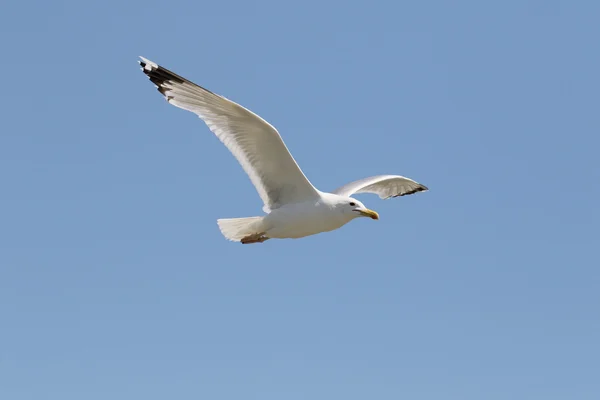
(294, 208)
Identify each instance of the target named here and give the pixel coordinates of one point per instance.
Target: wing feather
(386, 186)
(255, 143)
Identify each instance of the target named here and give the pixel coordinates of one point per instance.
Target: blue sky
(115, 281)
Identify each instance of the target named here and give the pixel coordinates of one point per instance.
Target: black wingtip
(421, 188)
(160, 75)
(157, 74)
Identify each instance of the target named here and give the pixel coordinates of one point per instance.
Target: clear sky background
(115, 282)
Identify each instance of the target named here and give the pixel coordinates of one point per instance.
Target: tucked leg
(256, 238)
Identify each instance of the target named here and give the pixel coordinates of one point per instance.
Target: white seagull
(294, 207)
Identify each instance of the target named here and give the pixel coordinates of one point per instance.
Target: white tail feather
(235, 229)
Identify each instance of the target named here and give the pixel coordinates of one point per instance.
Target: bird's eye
(352, 204)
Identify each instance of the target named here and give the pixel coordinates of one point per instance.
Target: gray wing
(255, 143)
(386, 186)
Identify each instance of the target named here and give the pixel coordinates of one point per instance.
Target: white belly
(300, 220)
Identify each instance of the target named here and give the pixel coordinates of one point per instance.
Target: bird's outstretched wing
(255, 143)
(386, 186)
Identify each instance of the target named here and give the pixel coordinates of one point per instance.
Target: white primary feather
(386, 186)
(255, 143)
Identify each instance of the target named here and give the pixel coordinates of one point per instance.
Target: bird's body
(294, 207)
(325, 213)
(307, 218)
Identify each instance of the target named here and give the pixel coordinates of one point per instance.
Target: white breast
(303, 219)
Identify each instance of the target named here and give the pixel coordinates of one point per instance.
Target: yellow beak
(369, 213)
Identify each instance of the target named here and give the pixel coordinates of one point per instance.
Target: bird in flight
(294, 207)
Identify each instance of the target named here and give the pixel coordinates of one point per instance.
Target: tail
(235, 229)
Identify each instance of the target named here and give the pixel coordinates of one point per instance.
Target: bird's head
(355, 208)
